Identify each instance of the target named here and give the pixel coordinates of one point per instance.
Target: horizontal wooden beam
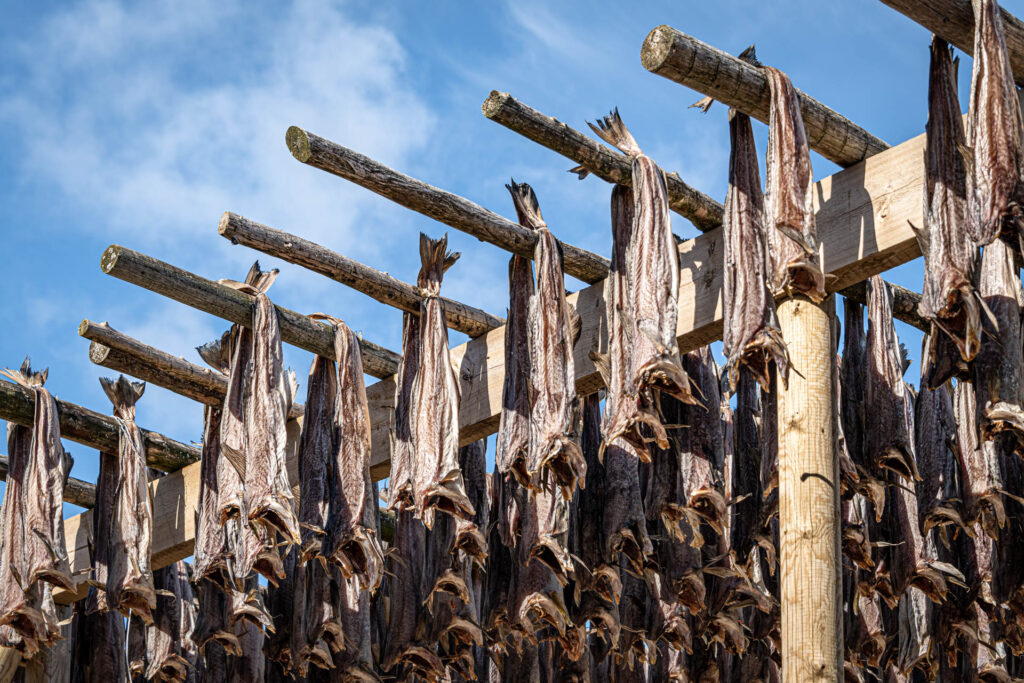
(607, 164)
(234, 306)
(953, 21)
(121, 353)
(76, 492)
(735, 83)
(92, 429)
(443, 206)
(370, 281)
(904, 304)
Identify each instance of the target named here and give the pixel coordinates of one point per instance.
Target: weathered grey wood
(77, 492)
(370, 281)
(904, 303)
(607, 164)
(17, 404)
(121, 353)
(953, 21)
(433, 202)
(234, 306)
(690, 62)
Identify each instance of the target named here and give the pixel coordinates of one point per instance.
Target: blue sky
(140, 123)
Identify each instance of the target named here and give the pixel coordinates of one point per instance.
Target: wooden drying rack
(863, 216)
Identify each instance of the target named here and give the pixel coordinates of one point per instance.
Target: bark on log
(810, 584)
(234, 306)
(369, 281)
(953, 21)
(76, 492)
(904, 305)
(121, 353)
(690, 62)
(610, 165)
(92, 429)
(443, 206)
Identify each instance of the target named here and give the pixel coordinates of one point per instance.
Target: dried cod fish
(437, 481)
(212, 629)
(170, 654)
(281, 603)
(552, 324)
(130, 579)
(403, 652)
(948, 298)
(99, 646)
(752, 337)
(995, 130)
(512, 448)
(251, 664)
(746, 471)
(937, 498)
(316, 448)
(792, 234)
(316, 627)
(400, 487)
(211, 547)
(653, 276)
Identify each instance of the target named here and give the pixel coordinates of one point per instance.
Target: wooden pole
(809, 521)
(234, 306)
(612, 166)
(448, 208)
(953, 21)
(369, 281)
(121, 353)
(92, 429)
(735, 83)
(77, 492)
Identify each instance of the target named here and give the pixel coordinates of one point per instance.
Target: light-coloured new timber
(810, 569)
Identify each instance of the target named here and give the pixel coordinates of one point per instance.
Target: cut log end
(97, 352)
(298, 143)
(224, 225)
(656, 47)
(494, 103)
(109, 259)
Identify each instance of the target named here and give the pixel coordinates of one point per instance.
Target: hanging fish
(170, 654)
(937, 494)
(752, 337)
(512, 449)
(789, 200)
(316, 447)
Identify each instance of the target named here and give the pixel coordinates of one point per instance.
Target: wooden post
(95, 430)
(234, 306)
(735, 83)
(809, 522)
(77, 492)
(370, 281)
(953, 21)
(607, 164)
(448, 208)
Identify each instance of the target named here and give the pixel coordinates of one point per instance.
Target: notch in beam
(735, 83)
(370, 281)
(234, 306)
(443, 206)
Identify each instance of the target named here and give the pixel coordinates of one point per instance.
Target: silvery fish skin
(130, 579)
(437, 480)
(238, 344)
(400, 487)
(351, 541)
(170, 654)
(316, 628)
(948, 297)
(994, 129)
(512, 449)
(998, 370)
(653, 275)
(792, 234)
(552, 451)
(752, 337)
(316, 446)
(404, 577)
(937, 494)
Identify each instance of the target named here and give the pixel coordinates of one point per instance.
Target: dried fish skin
(211, 625)
(623, 527)
(170, 654)
(948, 298)
(792, 234)
(352, 542)
(937, 494)
(251, 664)
(281, 604)
(316, 629)
(400, 488)
(512, 448)
(130, 579)
(700, 446)
(752, 337)
(889, 441)
(316, 446)
(980, 473)
(211, 544)
(998, 370)
(232, 425)
(437, 480)
(746, 471)
(99, 646)
(653, 276)
(355, 661)
(552, 451)
(404, 578)
(995, 130)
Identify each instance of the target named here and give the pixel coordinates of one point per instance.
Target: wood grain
(77, 492)
(370, 281)
(810, 575)
(735, 83)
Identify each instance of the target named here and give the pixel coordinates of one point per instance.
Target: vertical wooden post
(810, 579)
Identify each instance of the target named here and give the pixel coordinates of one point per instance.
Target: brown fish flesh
(512, 449)
(170, 654)
(316, 447)
(400, 486)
